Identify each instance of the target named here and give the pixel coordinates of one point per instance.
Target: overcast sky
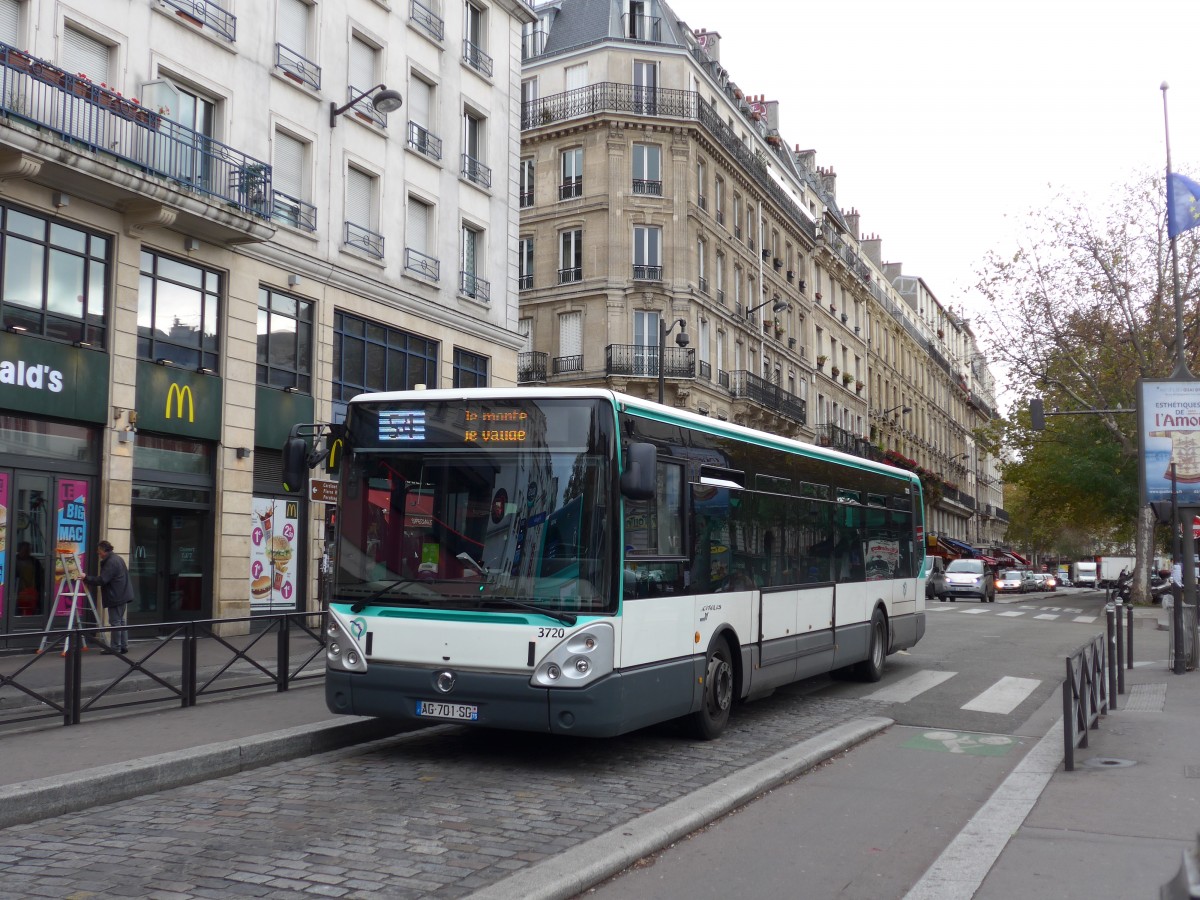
(947, 121)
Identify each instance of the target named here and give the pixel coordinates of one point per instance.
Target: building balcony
(293, 211)
(426, 20)
(533, 44)
(531, 367)
(421, 265)
(838, 438)
(424, 142)
(471, 285)
(474, 57)
(206, 14)
(363, 239)
(745, 385)
(569, 190)
(643, 187)
(476, 172)
(364, 108)
(567, 365)
(81, 138)
(526, 199)
(297, 67)
(647, 273)
(640, 361)
(641, 28)
(524, 282)
(570, 275)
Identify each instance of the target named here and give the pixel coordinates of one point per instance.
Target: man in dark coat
(116, 593)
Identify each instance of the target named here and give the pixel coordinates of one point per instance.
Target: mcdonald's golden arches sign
(172, 400)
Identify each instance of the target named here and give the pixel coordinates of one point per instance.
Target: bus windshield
(463, 524)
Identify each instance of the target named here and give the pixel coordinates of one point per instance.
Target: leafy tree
(1080, 311)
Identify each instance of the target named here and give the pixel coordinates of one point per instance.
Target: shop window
(179, 313)
(55, 279)
(369, 356)
(284, 341)
(470, 369)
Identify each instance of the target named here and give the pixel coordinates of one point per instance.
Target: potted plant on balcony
(821, 361)
(858, 386)
(834, 372)
(847, 378)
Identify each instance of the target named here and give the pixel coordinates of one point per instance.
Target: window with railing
(641, 27)
(364, 239)
(297, 67)
(418, 263)
(293, 211)
(206, 14)
(525, 264)
(647, 170)
(426, 20)
(475, 40)
(471, 285)
(570, 259)
(647, 253)
(533, 41)
(526, 190)
(476, 172)
(423, 142)
(473, 168)
(571, 184)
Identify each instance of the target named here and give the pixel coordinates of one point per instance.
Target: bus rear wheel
(871, 668)
(710, 720)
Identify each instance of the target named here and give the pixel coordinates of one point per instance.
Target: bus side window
(655, 527)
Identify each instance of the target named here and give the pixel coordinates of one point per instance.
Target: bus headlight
(579, 659)
(342, 652)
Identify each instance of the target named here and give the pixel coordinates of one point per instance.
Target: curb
(568, 874)
(31, 801)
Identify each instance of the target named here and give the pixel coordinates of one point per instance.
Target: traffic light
(1162, 511)
(1037, 414)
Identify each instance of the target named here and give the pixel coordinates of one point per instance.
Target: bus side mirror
(638, 481)
(295, 464)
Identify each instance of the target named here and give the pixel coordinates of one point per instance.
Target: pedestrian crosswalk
(1001, 698)
(1045, 613)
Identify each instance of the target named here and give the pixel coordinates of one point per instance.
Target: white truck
(1083, 574)
(1109, 569)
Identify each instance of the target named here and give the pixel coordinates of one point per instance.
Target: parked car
(970, 578)
(1046, 581)
(1011, 581)
(935, 585)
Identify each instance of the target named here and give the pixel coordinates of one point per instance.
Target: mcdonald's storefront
(173, 494)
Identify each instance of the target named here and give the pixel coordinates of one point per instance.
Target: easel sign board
(1169, 432)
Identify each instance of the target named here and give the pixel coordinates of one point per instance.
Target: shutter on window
(418, 102)
(293, 26)
(418, 226)
(288, 173)
(469, 238)
(359, 187)
(577, 76)
(10, 22)
(570, 334)
(85, 54)
(362, 65)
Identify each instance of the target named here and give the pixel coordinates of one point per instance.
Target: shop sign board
(171, 400)
(46, 378)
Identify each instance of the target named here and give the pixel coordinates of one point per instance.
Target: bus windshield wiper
(565, 618)
(360, 605)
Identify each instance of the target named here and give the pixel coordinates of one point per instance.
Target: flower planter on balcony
(835, 372)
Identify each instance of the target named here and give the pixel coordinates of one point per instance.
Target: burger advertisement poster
(273, 533)
(70, 539)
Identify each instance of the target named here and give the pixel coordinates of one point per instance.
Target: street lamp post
(682, 339)
(386, 101)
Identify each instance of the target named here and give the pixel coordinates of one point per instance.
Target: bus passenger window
(655, 527)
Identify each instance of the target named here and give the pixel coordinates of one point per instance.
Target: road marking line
(963, 865)
(1088, 619)
(1004, 696)
(907, 688)
(1047, 616)
(973, 612)
(1011, 614)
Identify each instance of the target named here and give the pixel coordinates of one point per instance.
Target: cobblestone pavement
(437, 813)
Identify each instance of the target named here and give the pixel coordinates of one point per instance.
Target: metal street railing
(1085, 696)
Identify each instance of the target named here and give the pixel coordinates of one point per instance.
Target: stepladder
(72, 595)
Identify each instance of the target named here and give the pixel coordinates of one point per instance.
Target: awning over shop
(988, 560)
(1017, 557)
(965, 550)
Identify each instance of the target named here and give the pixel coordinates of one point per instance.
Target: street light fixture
(904, 410)
(682, 339)
(780, 305)
(386, 101)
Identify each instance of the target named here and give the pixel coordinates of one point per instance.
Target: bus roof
(650, 408)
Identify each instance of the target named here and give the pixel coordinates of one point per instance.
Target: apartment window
(720, 276)
(475, 40)
(572, 174)
(701, 184)
(421, 136)
(647, 253)
(647, 170)
(10, 22)
(285, 337)
(471, 284)
(719, 200)
(737, 287)
(55, 279)
(83, 53)
(570, 256)
(470, 369)
(702, 349)
(737, 216)
(179, 312)
(526, 198)
(473, 168)
(290, 183)
(700, 268)
(292, 55)
(425, 16)
(371, 356)
(576, 76)
(419, 256)
(362, 75)
(525, 264)
(533, 39)
(361, 204)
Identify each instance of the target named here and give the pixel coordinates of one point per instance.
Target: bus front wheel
(712, 717)
(871, 668)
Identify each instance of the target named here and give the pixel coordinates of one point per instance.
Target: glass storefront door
(167, 565)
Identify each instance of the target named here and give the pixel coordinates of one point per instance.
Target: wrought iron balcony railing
(638, 360)
(420, 264)
(476, 172)
(297, 67)
(526, 199)
(471, 285)
(426, 20)
(424, 142)
(533, 44)
(474, 57)
(364, 239)
(723, 378)
(746, 385)
(706, 370)
(293, 211)
(647, 273)
(564, 365)
(524, 282)
(92, 118)
(569, 190)
(838, 439)
(531, 367)
(641, 28)
(645, 188)
(570, 275)
(364, 109)
(206, 14)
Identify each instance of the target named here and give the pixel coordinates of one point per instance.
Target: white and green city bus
(577, 561)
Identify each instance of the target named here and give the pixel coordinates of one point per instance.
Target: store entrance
(168, 565)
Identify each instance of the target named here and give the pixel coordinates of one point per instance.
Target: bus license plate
(432, 709)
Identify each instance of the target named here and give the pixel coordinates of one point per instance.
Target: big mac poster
(274, 530)
(70, 537)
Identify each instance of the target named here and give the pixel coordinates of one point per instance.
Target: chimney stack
(872, 246)
(828, 181)
(852, 220)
